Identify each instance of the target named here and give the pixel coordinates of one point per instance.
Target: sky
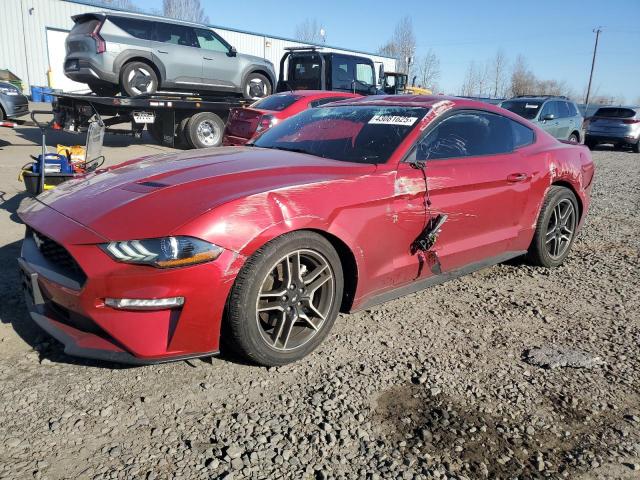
(555, 36)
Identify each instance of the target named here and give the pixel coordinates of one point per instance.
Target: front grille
(57, 256)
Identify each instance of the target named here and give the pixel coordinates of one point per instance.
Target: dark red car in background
(245, 123)
(337, 209)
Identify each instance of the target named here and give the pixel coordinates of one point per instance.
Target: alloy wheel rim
(140, 81)
(295, 299)
(208, 133)
(256, 88)
(560, 228)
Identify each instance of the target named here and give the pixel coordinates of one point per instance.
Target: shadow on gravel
(476, 444)
(33, 135)
(12, 204)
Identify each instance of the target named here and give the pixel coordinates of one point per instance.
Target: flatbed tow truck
(183, 120)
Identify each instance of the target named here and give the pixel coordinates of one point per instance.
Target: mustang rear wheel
(556, 228)
(285, 299)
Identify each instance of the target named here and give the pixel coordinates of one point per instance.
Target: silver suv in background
(558, 116)
(617, 125)
(138, 54)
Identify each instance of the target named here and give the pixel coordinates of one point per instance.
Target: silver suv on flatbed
(139, 54)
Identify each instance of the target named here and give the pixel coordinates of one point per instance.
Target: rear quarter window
(134, 27)
(522, 136)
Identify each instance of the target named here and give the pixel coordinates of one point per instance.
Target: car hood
(153, 196)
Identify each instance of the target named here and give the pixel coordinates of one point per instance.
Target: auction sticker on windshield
(393, 120)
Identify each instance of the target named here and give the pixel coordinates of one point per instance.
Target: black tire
(2, 116)
(636, 147)
(574, 138)
(104, 90)
(541, 250)
(256, 86)
(246, 332)
(204, 130)
(138, 78)
(591, 145)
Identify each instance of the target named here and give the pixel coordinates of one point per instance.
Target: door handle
(517, 177)
(207, 58)
(162, 51)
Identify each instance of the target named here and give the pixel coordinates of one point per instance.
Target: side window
(324, 101)
(342, 73)
(563, 109)
(134, 27)
(468, 134)
(175, 34)
(549, 109)
(522, 135)
(572, 109)
(364, 73)
(207, 40)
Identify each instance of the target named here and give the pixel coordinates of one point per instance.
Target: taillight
(101, 45)
(631, 121)
(266, 122)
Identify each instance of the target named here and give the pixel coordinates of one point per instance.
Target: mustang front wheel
(285, 299)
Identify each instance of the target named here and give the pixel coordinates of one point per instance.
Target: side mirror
(549, 116)
(233, 52)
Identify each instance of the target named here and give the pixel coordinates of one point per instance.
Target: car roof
(141, 16)
(426, 101)
(540, 98)
(319, 93)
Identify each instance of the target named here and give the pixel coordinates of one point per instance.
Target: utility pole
(593, 64)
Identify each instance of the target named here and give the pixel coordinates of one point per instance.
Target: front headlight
(9, 90)
(166, 252)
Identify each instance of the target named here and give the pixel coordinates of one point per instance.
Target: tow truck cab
(309, 68)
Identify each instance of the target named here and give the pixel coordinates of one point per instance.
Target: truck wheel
(138, 78)
(204, 130)
(256, 86)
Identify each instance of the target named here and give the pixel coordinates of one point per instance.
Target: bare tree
(309, 31)
(470, 86)
(523, 81)
(498, 74)
(189, 10)
(402, 45)
(429, 70)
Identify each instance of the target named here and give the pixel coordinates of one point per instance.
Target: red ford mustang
(338, 208)
(245, 123)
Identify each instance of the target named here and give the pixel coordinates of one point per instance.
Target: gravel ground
(440, 384)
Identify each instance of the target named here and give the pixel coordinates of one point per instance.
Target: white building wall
(24, 49)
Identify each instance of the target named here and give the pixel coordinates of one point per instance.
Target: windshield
(350, 133)
(277, 102)
(526, 109)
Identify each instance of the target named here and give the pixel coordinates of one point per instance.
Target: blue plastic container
(36, 94)
(53, 163)
(46, 95)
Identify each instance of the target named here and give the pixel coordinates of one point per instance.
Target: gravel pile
(434, 385)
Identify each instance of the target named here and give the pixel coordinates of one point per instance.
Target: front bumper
(15, 106)
(72, 310)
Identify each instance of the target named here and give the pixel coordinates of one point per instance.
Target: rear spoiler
(89, 16)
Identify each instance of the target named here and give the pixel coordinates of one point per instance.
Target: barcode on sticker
(392, 120)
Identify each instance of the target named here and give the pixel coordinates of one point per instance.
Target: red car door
(477, 177)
